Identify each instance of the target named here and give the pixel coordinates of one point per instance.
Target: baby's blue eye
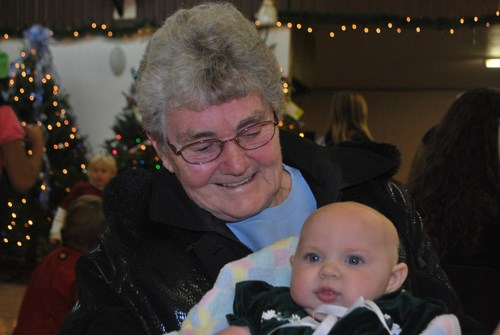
(354, 260)
(312, 258)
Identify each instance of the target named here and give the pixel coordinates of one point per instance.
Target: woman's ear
(397, 278)
(164, 158)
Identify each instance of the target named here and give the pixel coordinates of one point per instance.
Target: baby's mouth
(327, 295)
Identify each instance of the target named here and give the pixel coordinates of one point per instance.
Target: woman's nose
(233, 158)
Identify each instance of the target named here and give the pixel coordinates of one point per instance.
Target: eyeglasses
(205, 151)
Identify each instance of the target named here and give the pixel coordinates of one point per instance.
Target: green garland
(143, 28)
(285, 17)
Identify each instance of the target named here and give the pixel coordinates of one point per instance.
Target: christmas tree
(36, 97)
(130, 146)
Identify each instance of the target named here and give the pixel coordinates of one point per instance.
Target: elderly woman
(210, 95)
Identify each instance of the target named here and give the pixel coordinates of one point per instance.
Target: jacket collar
(330, 169)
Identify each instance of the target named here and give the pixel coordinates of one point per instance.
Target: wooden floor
(11, 295)
(13, 283)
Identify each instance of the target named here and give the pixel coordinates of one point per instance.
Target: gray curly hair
(200, 57)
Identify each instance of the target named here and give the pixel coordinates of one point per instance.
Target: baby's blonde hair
(106, 160)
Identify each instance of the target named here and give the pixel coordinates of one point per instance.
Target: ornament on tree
(37, 40)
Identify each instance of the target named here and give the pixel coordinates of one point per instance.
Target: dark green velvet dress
(262, 308)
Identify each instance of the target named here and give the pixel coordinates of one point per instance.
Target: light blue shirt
(278, 222)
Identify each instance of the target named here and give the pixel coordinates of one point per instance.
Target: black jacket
(160, 252)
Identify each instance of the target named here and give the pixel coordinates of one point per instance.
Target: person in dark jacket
(210, 95)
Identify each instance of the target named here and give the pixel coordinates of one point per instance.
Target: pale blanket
(271, 264)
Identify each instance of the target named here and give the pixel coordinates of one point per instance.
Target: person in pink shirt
(20, 166)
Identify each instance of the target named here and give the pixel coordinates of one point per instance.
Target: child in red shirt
(52, 290)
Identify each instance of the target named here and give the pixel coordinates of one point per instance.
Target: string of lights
(294, 20)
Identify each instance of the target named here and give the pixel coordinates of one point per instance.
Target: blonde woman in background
(348, 119)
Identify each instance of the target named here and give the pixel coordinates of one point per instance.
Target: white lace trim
(333, 314)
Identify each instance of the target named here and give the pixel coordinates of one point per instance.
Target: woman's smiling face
(239, 183)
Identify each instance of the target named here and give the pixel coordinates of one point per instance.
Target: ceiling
(431, 59)
(72, 15)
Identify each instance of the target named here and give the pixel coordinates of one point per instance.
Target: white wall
(278, 39)
(95, 93)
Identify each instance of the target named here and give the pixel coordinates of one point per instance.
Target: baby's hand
(54, 241)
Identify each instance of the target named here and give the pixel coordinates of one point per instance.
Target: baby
(346, 278)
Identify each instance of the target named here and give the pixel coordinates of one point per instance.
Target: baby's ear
(291, 259)
(397, 278)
